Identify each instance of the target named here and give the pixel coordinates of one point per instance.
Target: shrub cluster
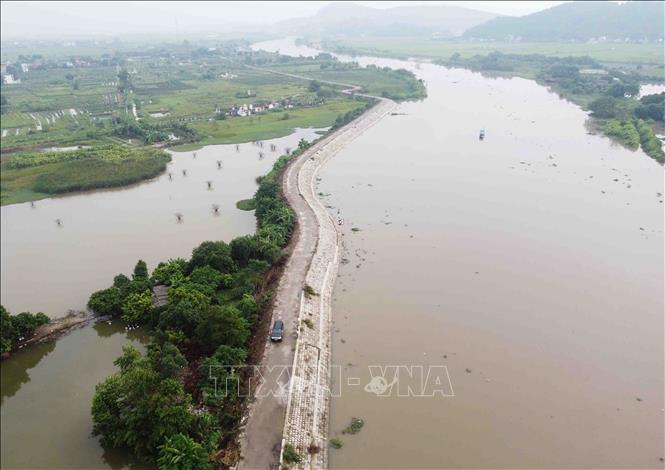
(14, 328)
(93, 173)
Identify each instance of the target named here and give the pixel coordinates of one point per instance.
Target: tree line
(16, 328)
(162, 405)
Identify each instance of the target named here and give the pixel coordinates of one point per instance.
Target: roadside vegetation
(170, 412)
(213, 304)
(30, 176)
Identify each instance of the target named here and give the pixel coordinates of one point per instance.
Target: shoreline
(53, 330)
(285, 418)
(310, 383)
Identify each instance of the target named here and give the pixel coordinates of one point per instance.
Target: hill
(579, 21)
(353, 20)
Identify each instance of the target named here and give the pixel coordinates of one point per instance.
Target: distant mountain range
(356, 20)
(579, 21)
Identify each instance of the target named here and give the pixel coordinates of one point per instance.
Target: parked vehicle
(277, 331)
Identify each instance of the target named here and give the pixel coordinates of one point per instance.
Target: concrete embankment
(298, 413)
(306, 423)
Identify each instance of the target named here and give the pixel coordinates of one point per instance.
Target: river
(529, 264)
(47, 390)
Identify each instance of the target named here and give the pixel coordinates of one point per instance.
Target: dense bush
(651, 144)
(137, 409)
(217, 255)
(106, 301)
(92, 173)
(148, 133)
(107, 153)
(181, 452)
(169, 272)
(624, 130)
(14, 328)
(651, 107)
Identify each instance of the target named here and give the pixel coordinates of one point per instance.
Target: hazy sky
(52, 19)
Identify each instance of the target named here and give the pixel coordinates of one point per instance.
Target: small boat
(482, 134)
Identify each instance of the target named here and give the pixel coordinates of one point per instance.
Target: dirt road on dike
(262, 437)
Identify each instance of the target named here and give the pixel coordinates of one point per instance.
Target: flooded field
(529, 264)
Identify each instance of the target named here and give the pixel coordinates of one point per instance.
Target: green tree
(121, 281)
(6, 329)
(106, 302)
(254, 247)
(140, 270)
(136, 307)
(314, 86)
(653, 111)
(220, 375)
(25, 323)
(166, 359)
(137, 409)
(181, 452)
(165, 272)
(605, 107)
(248, 307)
(208, 278)
(217, 255)
(14, 328)
(189, 293)
(181, 317)
(222, 325)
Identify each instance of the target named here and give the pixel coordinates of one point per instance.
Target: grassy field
(60, 104)
(163, 94)
(28, 177)
(373, 80)
(440, 49)
(269, 125)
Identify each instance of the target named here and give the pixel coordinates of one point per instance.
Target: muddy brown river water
(529, 264)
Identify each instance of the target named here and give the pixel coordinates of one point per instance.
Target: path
(313, 260)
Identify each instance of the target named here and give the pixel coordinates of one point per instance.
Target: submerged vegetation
(246, 204)
(336, 443)
(354, 426)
